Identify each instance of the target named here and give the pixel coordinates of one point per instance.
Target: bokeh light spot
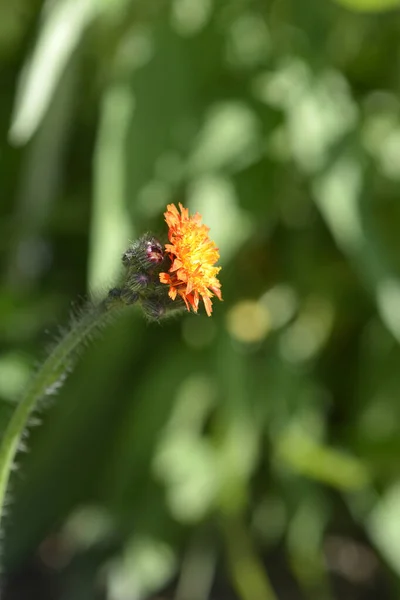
(248, 321)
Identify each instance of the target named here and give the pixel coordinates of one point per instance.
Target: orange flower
(193, 255)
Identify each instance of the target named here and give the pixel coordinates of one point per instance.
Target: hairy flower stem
(51, 374)
(143, 262)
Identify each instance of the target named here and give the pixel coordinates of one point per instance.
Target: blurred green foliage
(258, 448)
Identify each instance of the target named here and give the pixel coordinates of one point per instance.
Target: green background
(254, 454)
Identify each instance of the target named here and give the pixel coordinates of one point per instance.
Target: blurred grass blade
(338, 195)
(41, 178)
(63, 22)
(305, 547)
(198, 569)
(248, 573)
(110, 223)
(384, 526)
(145, 566)
(370, 5)
(311, 459)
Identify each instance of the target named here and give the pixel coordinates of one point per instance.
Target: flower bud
(144, 254)
(113, 298)
(128, 296)
(154, 252)
(154, 307)
(139, 281)
(115, 293)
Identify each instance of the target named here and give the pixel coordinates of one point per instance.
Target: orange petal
(182, 275)
(182, 295)
(189, 287)
(177, 264)
(208, 305)
(184, 211)
(172, 293)
(171, 208)
(216, 291)
(193, 301)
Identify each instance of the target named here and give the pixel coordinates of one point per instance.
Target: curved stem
(48, 377)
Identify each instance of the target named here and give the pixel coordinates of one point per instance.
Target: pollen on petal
(193, 274)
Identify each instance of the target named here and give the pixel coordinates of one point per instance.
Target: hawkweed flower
(186, 265)
(192, 273)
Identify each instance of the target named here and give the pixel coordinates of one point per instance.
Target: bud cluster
(143, 261)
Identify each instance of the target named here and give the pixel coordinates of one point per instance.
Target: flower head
(193, 255)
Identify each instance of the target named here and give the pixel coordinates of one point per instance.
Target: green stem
(43, 383)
